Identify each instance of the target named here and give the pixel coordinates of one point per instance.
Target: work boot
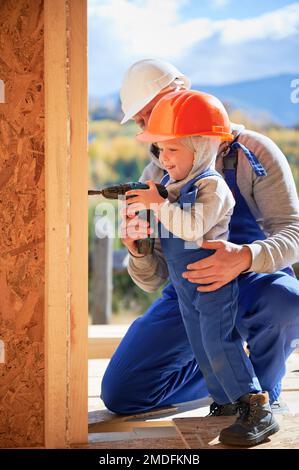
(229, 409)
(255, 424)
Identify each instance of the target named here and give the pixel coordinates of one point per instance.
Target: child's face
(176, 158)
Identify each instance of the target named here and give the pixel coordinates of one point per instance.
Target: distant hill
(267, 95)
(265, 100)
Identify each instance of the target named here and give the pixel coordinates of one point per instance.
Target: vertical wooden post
(66, 222)
(102, 280)
(57, 172)
(78, 400)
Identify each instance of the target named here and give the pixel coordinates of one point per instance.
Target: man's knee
(122, 394)
(112, 391)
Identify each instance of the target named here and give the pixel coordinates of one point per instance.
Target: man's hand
(132, 228)
(221, 267)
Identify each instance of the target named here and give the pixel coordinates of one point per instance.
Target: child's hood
(205, 150)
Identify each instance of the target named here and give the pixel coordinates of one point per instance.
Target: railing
(104, 262)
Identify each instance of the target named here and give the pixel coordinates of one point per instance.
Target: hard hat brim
(142, 103)
(137, 108)
(146, 136)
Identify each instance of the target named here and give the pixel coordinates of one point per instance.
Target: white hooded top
(209, 217)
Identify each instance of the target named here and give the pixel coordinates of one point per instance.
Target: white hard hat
(143, 81)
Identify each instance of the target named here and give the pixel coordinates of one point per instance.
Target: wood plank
(291, 380)
(126, 426)
(108, 417)
(57, 288)
(78, 388)
(107, 331)
(202, 433)
(104, 339)
(102, 348)
(149, 443)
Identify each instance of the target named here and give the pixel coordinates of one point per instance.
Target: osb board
(22, 211)
(202, 433)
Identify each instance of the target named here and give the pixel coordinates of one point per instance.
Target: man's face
(143, 116)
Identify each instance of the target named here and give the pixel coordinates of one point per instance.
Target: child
(188, 127)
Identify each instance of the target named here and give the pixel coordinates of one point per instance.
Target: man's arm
(276, 200)
(149, 272)
(273, 200)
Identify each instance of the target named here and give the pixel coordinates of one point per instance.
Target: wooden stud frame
(66, 309)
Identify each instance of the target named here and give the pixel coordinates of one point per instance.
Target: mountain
(265, 99)
(270, 96)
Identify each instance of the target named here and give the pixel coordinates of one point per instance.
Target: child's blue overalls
(154, 365)
(209, 317)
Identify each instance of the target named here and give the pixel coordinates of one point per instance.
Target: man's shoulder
(256, 141)
(264, 148)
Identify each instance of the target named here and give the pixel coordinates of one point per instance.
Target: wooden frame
(66, 308)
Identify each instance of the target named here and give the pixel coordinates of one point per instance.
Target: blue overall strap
(243, 225)
(254, 163)
(165, 178)
(188, 193)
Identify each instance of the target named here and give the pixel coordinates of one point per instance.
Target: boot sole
(258, 439)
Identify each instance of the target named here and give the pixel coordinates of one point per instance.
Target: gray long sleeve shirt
(273, 201)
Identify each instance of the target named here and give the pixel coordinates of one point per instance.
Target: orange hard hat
(185, 113)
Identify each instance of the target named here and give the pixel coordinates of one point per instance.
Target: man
(154, 365)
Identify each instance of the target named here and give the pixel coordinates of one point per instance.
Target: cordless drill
(144, 246)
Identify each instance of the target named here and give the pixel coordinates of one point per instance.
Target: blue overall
(209, 317)
(154, 365)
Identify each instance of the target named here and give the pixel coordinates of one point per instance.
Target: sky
(214, 42)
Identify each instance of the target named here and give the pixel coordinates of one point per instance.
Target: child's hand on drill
(144, 198)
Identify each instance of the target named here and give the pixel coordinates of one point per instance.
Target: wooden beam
(104, 339)
(78, 402)
(57, 281)
(66, 222)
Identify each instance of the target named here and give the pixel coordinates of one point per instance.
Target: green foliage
(128, 297)
(115, 155)
(288, 141)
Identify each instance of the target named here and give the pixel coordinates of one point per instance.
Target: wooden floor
(183, 425)
(202, 433)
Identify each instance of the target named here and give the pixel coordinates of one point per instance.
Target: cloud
(219, 3)
(276, 25)
(122, 31)
(151, 26)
